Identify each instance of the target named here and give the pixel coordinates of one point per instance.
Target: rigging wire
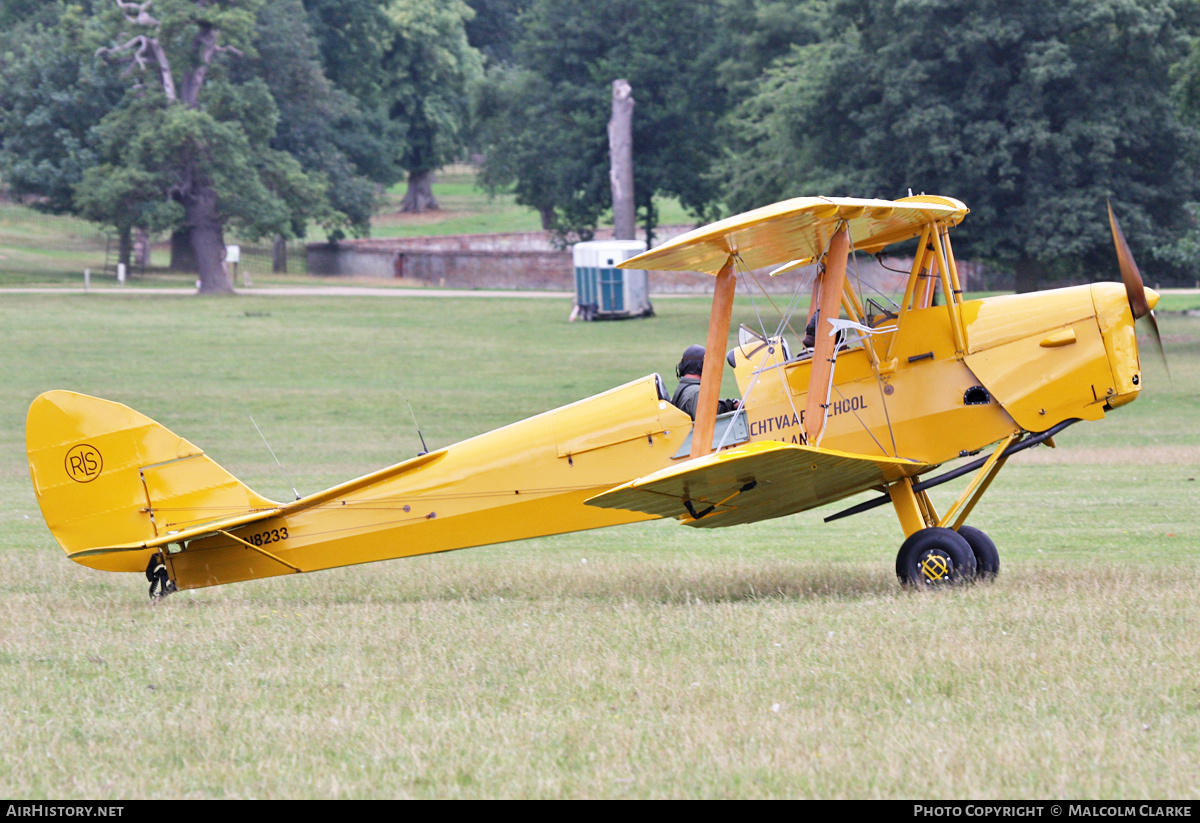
(277, 463)
(875, 367)
(785, 320)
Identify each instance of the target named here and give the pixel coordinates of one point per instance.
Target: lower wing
(755, 482)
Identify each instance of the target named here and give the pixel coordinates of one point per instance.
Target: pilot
(688, 371)
(810, 332)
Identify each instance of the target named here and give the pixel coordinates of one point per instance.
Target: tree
(1031, 113)
(543, 122)
(1186, 77)
(52, 98)
(758, 32)
(354, 38)
(409, 64)
(495, 27)
(189, 147)
(435, 68)
(322, 126)
(544, 143)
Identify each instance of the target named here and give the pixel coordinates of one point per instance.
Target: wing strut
(833, 281)
(714, 359)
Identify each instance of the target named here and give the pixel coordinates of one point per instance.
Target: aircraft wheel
(935, 557)
(987, 556)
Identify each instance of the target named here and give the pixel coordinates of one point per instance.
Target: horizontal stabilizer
(754, 482)
(109, 557)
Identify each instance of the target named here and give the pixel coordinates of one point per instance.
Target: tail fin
(107, 476)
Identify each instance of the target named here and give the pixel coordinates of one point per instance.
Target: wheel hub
(936, 567)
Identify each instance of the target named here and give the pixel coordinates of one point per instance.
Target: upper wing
(754, 482)
(799, 229)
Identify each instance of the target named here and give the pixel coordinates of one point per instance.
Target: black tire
(987, 556)
(935, 557)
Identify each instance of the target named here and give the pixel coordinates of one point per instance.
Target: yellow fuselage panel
(517, 482)
(917, 412)
(1075, 356)
(994, 321)
(1040, 359)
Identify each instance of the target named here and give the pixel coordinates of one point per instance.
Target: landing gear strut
(943, 550)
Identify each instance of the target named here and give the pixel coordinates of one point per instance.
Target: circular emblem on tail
(84, 463)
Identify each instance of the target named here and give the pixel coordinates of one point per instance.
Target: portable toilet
(602, 291)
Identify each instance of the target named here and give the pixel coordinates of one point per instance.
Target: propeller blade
(1135, 289)
(1158, 344)
(1130, 276)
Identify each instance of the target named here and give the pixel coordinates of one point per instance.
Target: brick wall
(507, 261)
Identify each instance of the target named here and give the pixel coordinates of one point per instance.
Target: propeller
(1135, 289)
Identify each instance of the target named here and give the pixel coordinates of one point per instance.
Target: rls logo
(84, 463)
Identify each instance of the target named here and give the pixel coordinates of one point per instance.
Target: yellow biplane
(883, 396)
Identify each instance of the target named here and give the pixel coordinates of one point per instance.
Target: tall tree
(543, 122)
(545, 143)
(758, 32)
(1186, 76)
(434, 69)
(189, 147)
(409, 63)
(354, 38)
(1032, 113)
(495, 28)
(321, 125)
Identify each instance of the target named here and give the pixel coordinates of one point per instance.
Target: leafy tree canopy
(410, 66)
(1032, 113)
(319, 124)
(52, 96)
(495, 28)
(185, 114)
(434, 69)
(543, 122)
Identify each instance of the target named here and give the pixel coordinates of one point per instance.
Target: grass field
(773, 660)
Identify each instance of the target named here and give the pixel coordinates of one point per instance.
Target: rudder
(107, 476)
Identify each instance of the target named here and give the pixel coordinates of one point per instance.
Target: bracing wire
(277, 463)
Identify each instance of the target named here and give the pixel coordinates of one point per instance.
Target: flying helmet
(692, 361)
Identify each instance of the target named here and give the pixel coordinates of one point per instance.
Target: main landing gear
(942, 551)
(939, 556)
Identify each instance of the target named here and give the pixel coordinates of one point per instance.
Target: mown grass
(774, 660)
(465, 208)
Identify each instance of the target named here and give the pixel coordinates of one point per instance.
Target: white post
(233, 256)
(121, 274)
(87, 279)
